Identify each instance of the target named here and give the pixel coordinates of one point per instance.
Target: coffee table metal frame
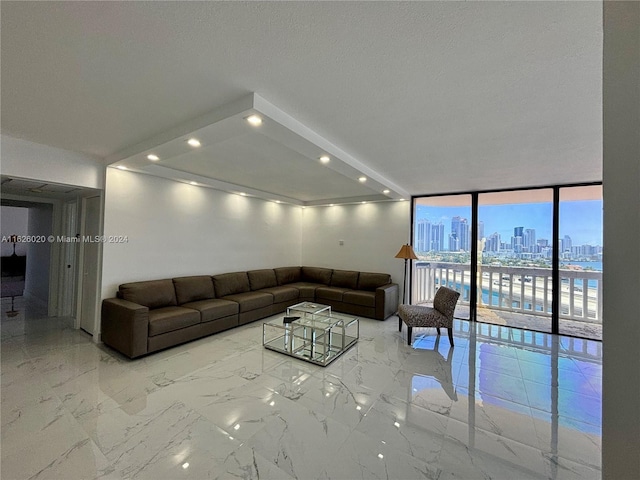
(317, 338)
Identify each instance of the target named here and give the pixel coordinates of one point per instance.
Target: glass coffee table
(318, 338)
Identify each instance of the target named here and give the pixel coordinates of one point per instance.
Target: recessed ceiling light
(243, 194)
(362, 179)
(386, 190)
(185, 465)
(193, 183)
(153, 157)
(194, 142)
(121, 167)
(325, 159)
(277, 201)
(254, 120)
(331, 204)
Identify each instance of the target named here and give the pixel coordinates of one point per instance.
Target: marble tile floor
(502, 404)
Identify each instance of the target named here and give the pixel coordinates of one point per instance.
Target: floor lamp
(406, 252)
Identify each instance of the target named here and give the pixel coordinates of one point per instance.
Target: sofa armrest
(125, 326)
(387, 300)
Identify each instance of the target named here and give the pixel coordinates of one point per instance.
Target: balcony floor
(570, 328)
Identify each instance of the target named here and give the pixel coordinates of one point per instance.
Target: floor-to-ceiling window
(580, 239)
(442, 242)
(530, 258)
(515, 245)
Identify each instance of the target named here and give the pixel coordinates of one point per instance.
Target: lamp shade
(406, 252)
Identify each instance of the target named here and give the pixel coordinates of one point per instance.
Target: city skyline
(580, 220)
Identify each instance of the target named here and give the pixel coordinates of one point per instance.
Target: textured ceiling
(431, 96)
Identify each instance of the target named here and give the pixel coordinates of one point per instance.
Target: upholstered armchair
(440, 315)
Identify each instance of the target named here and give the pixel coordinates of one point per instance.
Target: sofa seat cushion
(194, 288)
(168, 319)
(330, 293)
(360, 297)
(151, 293)
(214, 309)
(306, 289)
(282, 294)
(251, 300)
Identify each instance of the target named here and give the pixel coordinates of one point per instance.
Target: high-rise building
(437, 237)
(423, 235)
(529, 240)
(516, 240)
(460, 232)
(493, 243)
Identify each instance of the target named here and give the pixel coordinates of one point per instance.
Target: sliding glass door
(529, 258)
(442, 242)
(515, 232)
(581, 261)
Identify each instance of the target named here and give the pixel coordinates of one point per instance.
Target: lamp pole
(406, 252)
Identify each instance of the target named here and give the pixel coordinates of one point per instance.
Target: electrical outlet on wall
(340, 242)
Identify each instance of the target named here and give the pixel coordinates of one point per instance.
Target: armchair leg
(450, 331)
(399, 324)
(438, 328)
(409, 334)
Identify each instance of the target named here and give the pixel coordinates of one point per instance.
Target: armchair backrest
(445, 301)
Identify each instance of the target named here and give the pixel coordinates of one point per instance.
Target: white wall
(176, 229)
(39, 253)
(372, 233)
(24, 159)
(621, 181)
(13, 222)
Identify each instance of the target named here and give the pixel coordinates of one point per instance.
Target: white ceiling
(421, 97)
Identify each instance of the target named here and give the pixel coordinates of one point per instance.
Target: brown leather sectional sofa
(152, 315)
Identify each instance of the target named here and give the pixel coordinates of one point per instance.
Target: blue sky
(581, 220)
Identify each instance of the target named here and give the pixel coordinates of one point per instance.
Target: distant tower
(516, 240)
(566, 244)
(423, 235)
(437, 237)
(460, 232)
(529, 240)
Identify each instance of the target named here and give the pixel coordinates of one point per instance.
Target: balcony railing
(525, 290)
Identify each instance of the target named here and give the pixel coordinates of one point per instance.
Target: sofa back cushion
(152, 293)
(286, 275)
(231, 283)
(371, 281)
(259, 279)
(316, 275)
(344, 279)
(194, 288)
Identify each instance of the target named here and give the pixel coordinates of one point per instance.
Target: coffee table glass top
(308, 307)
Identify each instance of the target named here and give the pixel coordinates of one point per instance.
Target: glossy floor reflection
(503, 403)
